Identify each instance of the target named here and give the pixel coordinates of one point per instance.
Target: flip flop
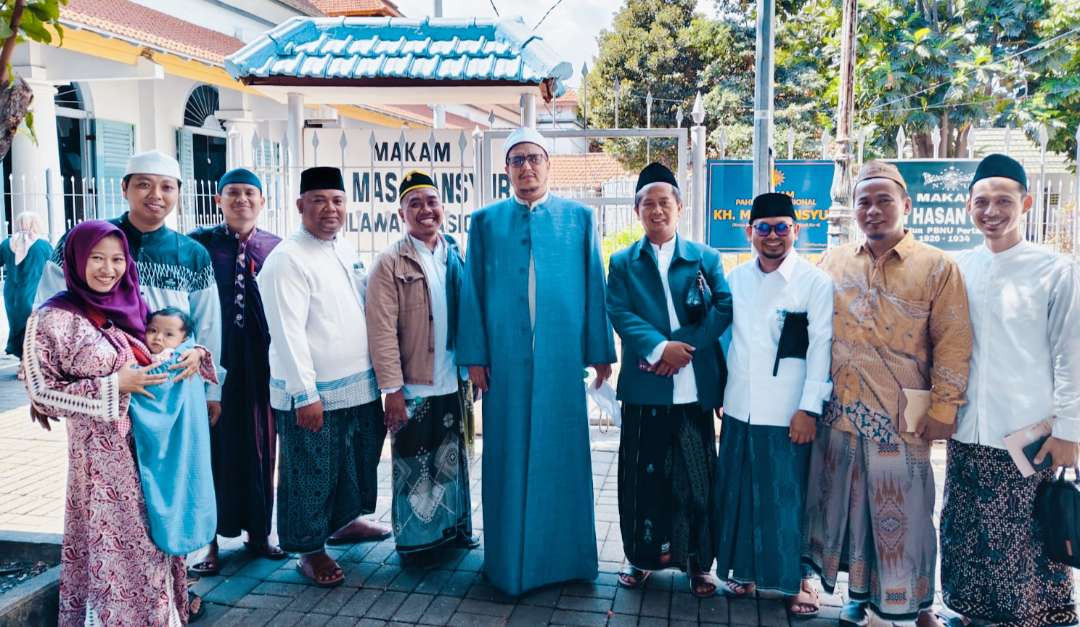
(321, 581)
(269, 551)
(209, 567)
(702, 586)
(633, 577)
(738, 590)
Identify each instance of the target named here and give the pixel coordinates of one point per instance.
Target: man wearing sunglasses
(900, 351)
(778, 379)
(531, 318)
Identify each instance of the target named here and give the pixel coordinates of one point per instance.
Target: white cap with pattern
(153, 162)
(523, 135)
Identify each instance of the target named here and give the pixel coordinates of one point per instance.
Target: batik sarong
(869, 508)
(431, 474)
(328, 477)
(666, 459)
(994, 565)
(759, 497)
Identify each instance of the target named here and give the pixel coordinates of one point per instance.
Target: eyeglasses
(764, 228)
(534, 159)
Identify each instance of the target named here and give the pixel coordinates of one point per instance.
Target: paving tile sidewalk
(378, 588)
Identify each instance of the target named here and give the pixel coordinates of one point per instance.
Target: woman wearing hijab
(84, 358)
(24, 255)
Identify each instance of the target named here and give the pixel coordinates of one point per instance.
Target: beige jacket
(401, 333)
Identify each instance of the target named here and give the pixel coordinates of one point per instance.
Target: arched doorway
(74, 137)
(201, 144)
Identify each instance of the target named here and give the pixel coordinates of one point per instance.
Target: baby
(172, 440)
(166, 329)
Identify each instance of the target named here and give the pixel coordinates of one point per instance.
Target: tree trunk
(15, 100)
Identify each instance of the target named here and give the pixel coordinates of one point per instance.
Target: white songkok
(153, 162)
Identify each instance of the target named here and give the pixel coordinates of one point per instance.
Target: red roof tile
(588, 170)
(150, 27)
(358, 8)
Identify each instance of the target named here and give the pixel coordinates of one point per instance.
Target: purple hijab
(122, 305)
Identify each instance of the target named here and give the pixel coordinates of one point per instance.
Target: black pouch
(794, 338)
(698, 298)
(1057, 512)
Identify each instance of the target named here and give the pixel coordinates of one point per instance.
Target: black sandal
(194, 615)
(633, 577)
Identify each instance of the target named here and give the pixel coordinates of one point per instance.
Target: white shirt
(312, 291)
(444, 373)
(1025, 359)
(685, 384)
(531, 206)
(760, 301)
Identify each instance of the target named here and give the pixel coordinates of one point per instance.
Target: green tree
(1055, 98)
(21, 21)
(654, 46)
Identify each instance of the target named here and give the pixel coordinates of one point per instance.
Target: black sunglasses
(764, 228)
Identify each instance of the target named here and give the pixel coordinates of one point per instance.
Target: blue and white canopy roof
(400, 61)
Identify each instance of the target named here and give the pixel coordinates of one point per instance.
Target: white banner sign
(374, 161)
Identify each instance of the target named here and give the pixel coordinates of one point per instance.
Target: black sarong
(666, 459)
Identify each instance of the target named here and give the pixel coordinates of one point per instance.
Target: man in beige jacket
(412, 298)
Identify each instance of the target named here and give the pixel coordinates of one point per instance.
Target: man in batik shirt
(901, 344)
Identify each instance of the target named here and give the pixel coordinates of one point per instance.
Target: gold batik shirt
(900, 321)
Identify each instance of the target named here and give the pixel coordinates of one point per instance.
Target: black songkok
(321, 178)
(1000, 165)
(415, 180)
(655, 173)
(772, 205)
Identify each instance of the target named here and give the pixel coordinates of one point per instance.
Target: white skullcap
(153, 162)
(523, 135)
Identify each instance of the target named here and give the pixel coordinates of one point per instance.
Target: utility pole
(840, 213)
(763, 96)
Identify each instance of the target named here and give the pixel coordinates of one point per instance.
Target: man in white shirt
(778, 379)
(669, 303)
(412, 297)
(1025, 368)
(322, 386)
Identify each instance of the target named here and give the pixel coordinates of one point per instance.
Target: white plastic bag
(604, 397)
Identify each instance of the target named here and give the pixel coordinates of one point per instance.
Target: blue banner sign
(939, 191)
(731, 196)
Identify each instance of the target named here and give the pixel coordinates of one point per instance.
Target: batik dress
(111, 572)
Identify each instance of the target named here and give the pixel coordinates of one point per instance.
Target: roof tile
(589, 170)
(428, 49)
(150, 27)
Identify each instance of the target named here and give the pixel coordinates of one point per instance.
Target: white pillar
(239, 150)
(528, 110)
(146, 131)
(35, 166)
(294, 136)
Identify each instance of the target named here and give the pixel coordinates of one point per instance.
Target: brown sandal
(326, 575)
(805, 604)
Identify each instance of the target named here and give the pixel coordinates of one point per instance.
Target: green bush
(618, 241)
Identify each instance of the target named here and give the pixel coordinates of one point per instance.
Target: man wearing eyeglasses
(900, 351)
(778, 379)
(532, 317)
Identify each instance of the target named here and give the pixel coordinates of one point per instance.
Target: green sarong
(327, 478)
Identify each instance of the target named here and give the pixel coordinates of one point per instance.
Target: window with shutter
(114, 143)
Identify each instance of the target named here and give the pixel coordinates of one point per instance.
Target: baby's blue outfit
(172, 444)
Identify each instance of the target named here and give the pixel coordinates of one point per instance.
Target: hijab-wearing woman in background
(84, 357)
(24, 255)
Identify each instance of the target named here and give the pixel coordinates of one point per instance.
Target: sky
(570, 29)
